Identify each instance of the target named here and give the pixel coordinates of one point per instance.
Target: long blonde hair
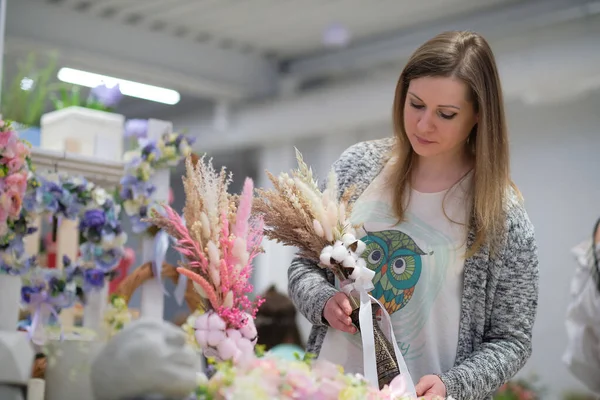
(466, 56)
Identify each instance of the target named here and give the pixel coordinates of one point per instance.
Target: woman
(446, 231)
(582, 355)
(276, 326)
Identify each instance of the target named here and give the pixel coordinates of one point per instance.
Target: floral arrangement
(15, 223)
(137, 187)
(297, 213)
(101, 234)
(189, 327)
(273, 378)
(101, 97)
(44, 293)
(219, 239)
(117, 315)
(519, 390)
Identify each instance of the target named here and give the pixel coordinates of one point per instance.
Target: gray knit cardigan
(499, 300)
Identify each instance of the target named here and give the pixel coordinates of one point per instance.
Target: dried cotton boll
(349, 262)
(234, 334)
(248, 330)
(201, 338)
(325, 259)
(215, 337)
(339, 253)
(215, 322)
(348, 239)
(360, 247)
(201, 322)
(227, 349)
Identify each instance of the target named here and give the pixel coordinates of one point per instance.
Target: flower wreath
(141, 163)
(101, 236)
(15, 221)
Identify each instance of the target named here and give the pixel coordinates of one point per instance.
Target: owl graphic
(396, 260)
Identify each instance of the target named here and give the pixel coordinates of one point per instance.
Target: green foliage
(27, 105)
(70, 96)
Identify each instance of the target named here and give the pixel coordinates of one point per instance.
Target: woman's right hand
(337, 312)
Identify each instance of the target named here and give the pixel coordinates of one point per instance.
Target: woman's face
(438, 117)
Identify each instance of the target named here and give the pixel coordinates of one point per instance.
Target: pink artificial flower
(17, 182)
(3, 226)
(325, 369)
(5, 138)
(328, 389)
(22, 149)
(9, 151)
(300, 384)
(15, 164)
(398, 386)
(15, 203)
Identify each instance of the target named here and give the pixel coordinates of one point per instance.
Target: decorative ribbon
(362, 282)
(43, 304)
(161, 245)
(182, 282)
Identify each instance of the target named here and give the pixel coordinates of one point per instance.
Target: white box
(84, 131)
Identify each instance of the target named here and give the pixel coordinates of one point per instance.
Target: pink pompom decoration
(245, 346)
(215, 337)
(202, 338)
(215, 322)
(234, 334)
(227, 349)
(248, 330)
(202, 322)
(231, 344)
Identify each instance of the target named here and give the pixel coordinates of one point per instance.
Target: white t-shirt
(419, 268)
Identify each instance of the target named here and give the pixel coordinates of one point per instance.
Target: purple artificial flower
(28, 291)
(149, 147)
(94, 219)
(109, 259)
(108, 96)
(137, 128)
(190, 140)
(94, 278)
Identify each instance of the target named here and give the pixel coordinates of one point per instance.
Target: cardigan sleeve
(507, 341)
(309, 289)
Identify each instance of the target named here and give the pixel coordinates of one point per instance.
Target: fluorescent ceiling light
(128, 88)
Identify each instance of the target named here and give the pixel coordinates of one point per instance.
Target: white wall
(556, 164)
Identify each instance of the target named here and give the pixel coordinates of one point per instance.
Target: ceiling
(240, 51)
(275, 28)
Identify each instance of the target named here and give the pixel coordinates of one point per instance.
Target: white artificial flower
(131, 207)
(100, 196)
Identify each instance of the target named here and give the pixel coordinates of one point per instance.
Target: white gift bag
(582, 355)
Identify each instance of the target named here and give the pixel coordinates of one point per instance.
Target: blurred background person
(277, 327)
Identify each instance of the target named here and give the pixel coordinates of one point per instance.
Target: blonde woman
(446, 231)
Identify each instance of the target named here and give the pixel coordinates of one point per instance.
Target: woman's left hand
(430, 387)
